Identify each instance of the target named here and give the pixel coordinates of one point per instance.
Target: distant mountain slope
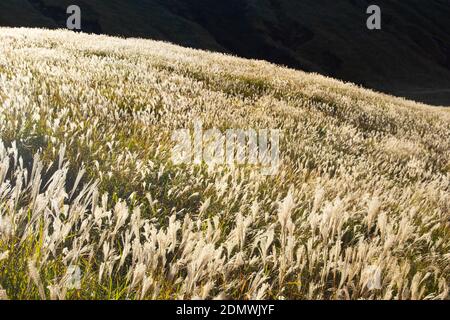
(409, 57)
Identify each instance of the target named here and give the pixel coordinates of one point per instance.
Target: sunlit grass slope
(359, 208)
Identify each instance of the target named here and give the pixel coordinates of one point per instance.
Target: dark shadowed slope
(409, 57)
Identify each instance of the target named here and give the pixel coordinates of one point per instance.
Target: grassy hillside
(409, 57)
(359, 207)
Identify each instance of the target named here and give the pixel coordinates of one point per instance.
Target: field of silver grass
(91, 206)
